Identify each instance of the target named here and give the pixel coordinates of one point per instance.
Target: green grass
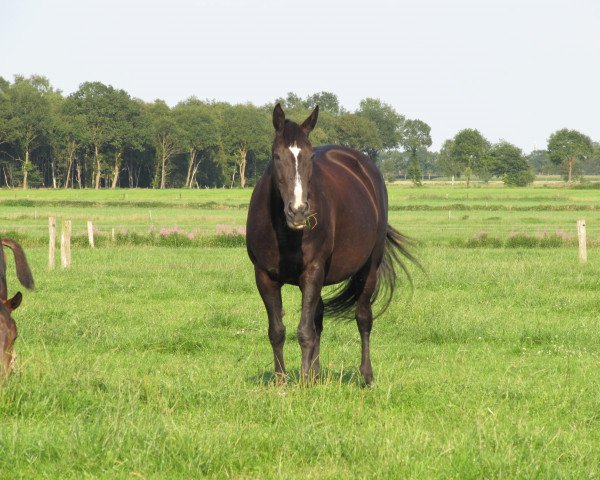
(153, 362)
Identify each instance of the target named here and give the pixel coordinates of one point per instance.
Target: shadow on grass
(327, 377)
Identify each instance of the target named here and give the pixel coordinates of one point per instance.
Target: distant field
(430, 214)
(153, 362)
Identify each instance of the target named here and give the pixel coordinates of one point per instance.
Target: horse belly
(351, 252)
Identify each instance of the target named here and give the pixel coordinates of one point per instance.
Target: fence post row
(52, 244)
(65, 244)
(90, 228)
(582, 240)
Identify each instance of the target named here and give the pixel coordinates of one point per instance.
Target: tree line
(101, 137)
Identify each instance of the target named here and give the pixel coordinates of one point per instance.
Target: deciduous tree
(415, 136)
(508, 162)
(357, 132)
(200, 133)
(568, 148)
(469, 150)
(245, 128)
(388, 122)
(30, 112)
(167, 139)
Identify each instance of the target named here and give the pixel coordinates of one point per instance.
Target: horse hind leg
(364, 321)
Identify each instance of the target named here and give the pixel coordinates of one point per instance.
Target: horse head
(292, 161)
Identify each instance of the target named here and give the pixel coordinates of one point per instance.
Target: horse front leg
(270, 291)
(311, 283)
(316, 360)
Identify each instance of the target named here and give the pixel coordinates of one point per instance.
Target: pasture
(151, 359)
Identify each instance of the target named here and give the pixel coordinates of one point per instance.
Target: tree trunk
(6, 178)
(191, 164)
(193, 179)
(53, 175)
(97, 157)
(137, 174)
(130, 174)
(78, 167)
(163, 173)
(115, 180)
(243, 161)
(69, 168)
(155, 181)
(26, 169)
(570, 162)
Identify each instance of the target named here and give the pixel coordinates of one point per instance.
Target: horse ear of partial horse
(278, 118)
(15, 301)
(309, 124)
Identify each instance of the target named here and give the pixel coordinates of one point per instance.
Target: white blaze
(298, 185)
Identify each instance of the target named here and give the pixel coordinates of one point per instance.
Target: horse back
(354, 195)
(354, 176)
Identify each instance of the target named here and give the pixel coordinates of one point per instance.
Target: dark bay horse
(8, 327)
(318, 216)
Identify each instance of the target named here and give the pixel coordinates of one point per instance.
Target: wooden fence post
(582, 241)
(52, 244)
(90, 233)
(65, 244)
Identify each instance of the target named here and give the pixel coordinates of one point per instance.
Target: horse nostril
(303, 208)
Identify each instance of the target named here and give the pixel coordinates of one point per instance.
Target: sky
(516, 70)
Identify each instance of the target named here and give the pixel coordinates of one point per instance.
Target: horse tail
(23, 272)
(395, 253)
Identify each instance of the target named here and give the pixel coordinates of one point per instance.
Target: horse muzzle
(297, 218)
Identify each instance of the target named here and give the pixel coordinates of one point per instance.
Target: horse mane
(291, 132)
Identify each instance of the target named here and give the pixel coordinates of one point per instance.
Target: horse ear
(14, 302)
(309, 124)
(278, 118)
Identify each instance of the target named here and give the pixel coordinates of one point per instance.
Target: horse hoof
(280, 379)
(368, 378)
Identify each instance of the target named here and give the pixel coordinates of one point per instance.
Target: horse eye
(275, 156)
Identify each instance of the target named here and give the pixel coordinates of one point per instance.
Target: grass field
(142, 361)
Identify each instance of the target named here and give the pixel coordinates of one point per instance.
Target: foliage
(469, 151)
(540, 162)
(327, 102)
(447, 162)
(389, 123)
(568, 148)
(99, 136)
(357, 132)
(414, 172)
(245, 130)
(415, 137)
(508, 162)
(167, 137)
(200, 134)
(29, 117)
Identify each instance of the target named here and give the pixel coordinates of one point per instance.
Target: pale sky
(515, 70)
